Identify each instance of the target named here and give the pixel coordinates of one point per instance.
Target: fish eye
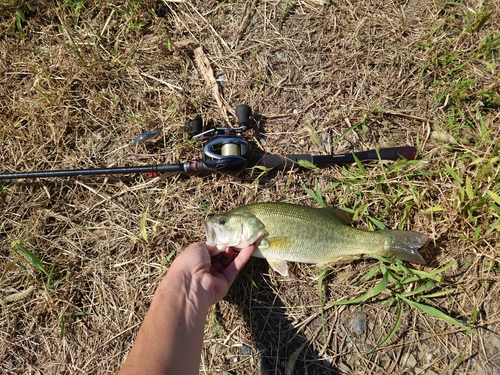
(222, 221)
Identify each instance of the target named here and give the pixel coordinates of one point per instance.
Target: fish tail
(404, 245)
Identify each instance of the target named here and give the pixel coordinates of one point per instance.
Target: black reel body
(227, 151)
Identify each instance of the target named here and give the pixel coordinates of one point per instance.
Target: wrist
(174, 324)
(183, 291)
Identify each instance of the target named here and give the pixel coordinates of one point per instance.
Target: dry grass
(80, 80)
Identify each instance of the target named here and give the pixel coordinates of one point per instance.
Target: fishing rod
(226, 150)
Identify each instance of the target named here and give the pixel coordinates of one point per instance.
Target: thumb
(237, 265)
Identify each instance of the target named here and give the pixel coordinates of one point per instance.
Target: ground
(81, 256)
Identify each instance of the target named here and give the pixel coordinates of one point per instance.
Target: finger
(213, 250)
(237, 265)
(194, 251)
(226, 261)
(216, 258)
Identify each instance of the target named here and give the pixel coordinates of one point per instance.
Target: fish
(285, 232)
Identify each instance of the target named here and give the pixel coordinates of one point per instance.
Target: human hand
(198, 277)
(209, 271)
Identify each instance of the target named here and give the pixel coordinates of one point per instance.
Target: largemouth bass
(285, 232)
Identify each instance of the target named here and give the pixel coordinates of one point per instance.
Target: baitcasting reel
(226, 148)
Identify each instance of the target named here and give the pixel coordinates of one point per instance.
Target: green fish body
(285, 232)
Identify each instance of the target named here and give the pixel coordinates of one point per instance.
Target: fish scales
(316, 235)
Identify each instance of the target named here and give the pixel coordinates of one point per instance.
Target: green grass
(132, 13)
(256, 84)
(35, 268)
(16, 10)
(473, 182)
(285, 12)
(75, 7)
(393, 278)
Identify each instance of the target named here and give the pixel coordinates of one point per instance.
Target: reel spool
(226, 152)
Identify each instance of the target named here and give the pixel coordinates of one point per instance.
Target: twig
(208, 75)
(162, 82)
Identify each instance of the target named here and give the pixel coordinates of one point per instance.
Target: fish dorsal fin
(279, 266)
(344, 216)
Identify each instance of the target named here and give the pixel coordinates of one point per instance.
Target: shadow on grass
(279, 344)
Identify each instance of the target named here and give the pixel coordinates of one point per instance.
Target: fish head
(233, 230)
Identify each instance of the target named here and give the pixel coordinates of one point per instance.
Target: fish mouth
(210, 232)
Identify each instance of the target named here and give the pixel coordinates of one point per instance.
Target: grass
(76, 91)
(394, 282)
(31, 263)
(284, 14)
(132, 14)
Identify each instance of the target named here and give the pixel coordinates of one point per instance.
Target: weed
(47, 278)
(131, 12)
(256, 84)
(317, 195)
(395, 278)
(64, 30)
(362, 122)
(20, 18)
(491, 267)
(475, 20)
(16, 9)
(62, 323)
(205, 205)
(75, 6)
(169, 257)
(262, 172)
(314, 134)
(168, 45)
(489, 48)
(306, 164)
(284, 13)
(214, 321)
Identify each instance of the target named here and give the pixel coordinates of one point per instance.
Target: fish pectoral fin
(275, 243)
(279, 266)
(339, 260)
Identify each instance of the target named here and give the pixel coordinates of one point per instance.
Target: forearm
(171, 337)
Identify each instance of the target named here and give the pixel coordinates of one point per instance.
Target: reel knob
(195, 126)
(243, 112)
